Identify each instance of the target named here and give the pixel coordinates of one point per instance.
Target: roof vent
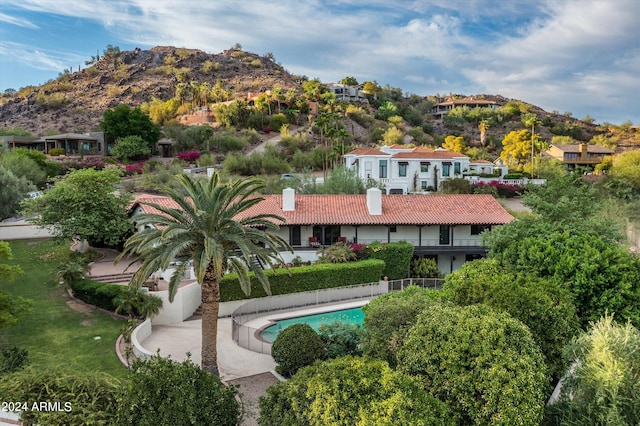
(374, 201)
(288, 200)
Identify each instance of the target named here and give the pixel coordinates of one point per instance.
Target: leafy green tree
(211, 228)
(602, 388)
(164, 392)
(87, 398)
(484, 364)
(342, 181)
(565, 200)
(123, 121)
(601, 275)
(233, 115)
(23, 166)
(313, 89)
(626, 167)
(351, 391)
(295, 347)
(83, 204)
(386, 110)
(130, 148)
(350, 81)
(542, 305)
(14, 190)
(388, 318)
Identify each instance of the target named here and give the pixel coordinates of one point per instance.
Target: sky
(578, 56)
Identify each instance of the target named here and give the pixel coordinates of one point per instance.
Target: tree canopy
(123, 121)
(484, 364)
(14, 190)
(83, 204)
(542, 305)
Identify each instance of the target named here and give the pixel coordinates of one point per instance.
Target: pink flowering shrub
(189, 156)
(502, 189)
(135, 168)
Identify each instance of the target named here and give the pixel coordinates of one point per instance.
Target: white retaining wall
(184, 304)
(139, 335)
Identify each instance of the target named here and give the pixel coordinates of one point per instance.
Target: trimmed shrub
(425, 267)
(305, 278)
(396, 256)
(295, 347)
(484, 364)
(189, 156)
(55, 152)
(164, 392)
(341, 338)
(98, 294)
(87, 398)
(388, 318)
(351, 391)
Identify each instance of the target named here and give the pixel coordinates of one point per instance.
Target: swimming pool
(352, 316)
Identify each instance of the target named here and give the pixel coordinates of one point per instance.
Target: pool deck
(176, 340)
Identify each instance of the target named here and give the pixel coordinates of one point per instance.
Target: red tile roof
(480, 162)
(423, 153)
(366, 151)
(411, 209)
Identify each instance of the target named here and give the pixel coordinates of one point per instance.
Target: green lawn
(54, 334)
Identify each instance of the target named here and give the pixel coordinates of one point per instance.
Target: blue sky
(581, 56)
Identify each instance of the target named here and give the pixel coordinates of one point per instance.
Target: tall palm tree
(210, 228)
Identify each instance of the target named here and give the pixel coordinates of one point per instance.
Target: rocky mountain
(75, 102)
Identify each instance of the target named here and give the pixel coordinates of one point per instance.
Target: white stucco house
(404, 170)
(444, 227)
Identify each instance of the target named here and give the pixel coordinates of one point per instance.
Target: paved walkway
(233, 361)
(21, 230)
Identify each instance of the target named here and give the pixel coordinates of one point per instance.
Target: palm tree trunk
(210, 310)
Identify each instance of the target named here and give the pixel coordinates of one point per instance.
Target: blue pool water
(352, 316)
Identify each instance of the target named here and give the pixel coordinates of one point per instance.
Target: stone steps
(113, 278)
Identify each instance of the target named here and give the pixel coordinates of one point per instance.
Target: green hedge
(396, 256)
(98, 294)
(305, 278)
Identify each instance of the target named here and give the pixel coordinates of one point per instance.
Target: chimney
(374, 201)
(583, 150)
(288, 200)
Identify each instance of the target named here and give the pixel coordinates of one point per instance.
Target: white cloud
(559, 54)
(17, 21)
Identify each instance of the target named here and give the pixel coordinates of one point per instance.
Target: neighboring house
(403, 170)
(443, 227)
(73, 143)
(441, 109)
(345, 92)
(579, 155)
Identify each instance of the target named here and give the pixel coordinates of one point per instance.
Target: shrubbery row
(305, 278)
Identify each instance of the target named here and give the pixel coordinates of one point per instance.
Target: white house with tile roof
(441, 226)
(404, 170)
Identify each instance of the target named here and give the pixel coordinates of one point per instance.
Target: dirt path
(273, 141)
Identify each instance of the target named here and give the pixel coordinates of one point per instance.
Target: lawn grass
(54, 334)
